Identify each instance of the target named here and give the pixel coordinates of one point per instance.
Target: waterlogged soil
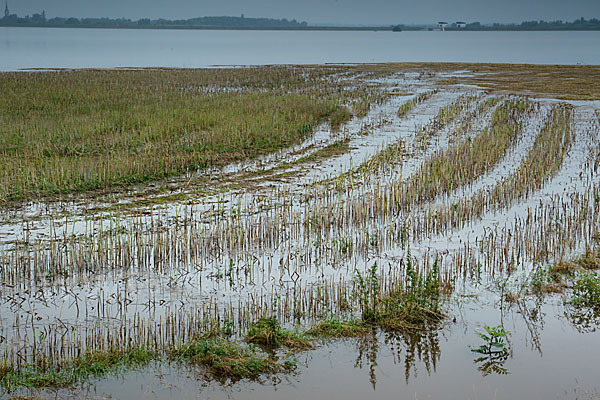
(245, 241)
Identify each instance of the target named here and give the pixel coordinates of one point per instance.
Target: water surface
(108, 48)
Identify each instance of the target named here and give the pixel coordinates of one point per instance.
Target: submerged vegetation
(338, 208)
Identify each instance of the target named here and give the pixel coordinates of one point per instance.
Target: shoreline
(300, 28)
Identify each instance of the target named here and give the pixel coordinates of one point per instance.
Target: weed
(415, 305)
(268, 332)
(46, 373)
(334, 328)
(494, 351)
(586, 291)
(225, 360)
(368, 293)
(494, 340)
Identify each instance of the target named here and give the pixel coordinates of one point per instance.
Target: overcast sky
(377, 12)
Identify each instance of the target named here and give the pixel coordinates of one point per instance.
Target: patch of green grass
(413, 306)
(45, 373)
(590, 260)
(586, 291)
(546, 280)
(73, 131)
(228, 360)
(268, 332)
(223, 360)
(335, 328)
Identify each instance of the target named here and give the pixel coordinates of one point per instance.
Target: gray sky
(377, 12)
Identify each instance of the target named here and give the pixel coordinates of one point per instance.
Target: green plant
(44, 372)
(227, 360)
(423, 291)
(368, 293)
(337, 328)
(494, 351)
(586, 291)
(228, 328)
(494, 340)
(413, 305)
(540, 278)
(268, 332)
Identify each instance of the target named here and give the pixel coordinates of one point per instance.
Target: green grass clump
(546, 280)
(413, 306)
(223, 359)
(552, 279)
(49, 374)
(586, 291)
(227, 360)
(334, 328)
(268, 332)
(410, 104)
(590, 260)
(33, 377)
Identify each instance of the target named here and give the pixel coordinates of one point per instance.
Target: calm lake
(107, 48)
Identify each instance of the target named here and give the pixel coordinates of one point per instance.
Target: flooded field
(382, 230)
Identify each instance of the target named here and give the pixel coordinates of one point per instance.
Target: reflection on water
(492, 363)
(368, 348)
(421, 346)
(533, 317)
(412, 350)
(584, 319)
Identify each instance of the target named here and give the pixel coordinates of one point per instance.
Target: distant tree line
(581, 24)
(400, 28)
(233, 22)
(270, 23)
